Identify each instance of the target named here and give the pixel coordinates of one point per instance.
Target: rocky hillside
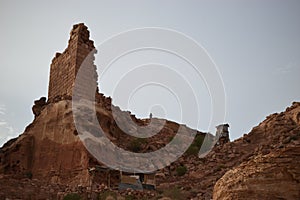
(272, 176)
(50, 161)
(273, 172)
(50, 150)
(276, 133)
(44, 162)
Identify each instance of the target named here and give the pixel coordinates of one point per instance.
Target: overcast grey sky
(255, 44)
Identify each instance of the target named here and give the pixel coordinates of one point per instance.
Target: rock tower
(65, 66)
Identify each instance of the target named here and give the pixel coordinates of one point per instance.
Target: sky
(255, 46)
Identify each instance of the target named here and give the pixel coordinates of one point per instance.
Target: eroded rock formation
(276, 132)
(38, 106)
(274, 173)
(49, 160)
(272, 176)
(50, 150)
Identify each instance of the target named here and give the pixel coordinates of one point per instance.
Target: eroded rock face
(38, 106)
(276, 132)
(273, 172)
(48, 150)
(272, 176)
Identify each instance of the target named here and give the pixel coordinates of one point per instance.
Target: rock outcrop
(274, 171)
(276, 132)
(48, 149)
(272, 176)
(50, 155)
(38, 106)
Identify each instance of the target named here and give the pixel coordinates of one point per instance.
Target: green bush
(135, 145)
(181, 170)
(72, 196)
(198, 141)
(195, 146)
(192, 150)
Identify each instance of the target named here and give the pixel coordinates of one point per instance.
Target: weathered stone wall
(64, 66)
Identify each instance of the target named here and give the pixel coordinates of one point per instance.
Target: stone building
(78, 56)
(222, 134)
